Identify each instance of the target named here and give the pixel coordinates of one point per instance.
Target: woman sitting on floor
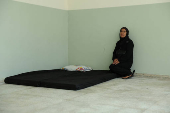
(123, 55)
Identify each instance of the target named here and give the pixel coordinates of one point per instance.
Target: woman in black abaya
(123, 55)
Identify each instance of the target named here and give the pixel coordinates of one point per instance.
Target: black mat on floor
(71, 80)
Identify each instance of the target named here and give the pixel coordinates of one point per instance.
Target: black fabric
(71, 80)
(122, 69)
(124, 53)
(126, 47)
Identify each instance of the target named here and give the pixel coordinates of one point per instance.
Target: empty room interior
(63, 56)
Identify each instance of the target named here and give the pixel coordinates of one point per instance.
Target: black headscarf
(123, 40)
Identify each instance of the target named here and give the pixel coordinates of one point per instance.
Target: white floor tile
(9, 88)
(136, 95)
(52, 93)
(25, 103)
(158, 109)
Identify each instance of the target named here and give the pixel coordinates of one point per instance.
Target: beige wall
(58, 4)
(91, 4)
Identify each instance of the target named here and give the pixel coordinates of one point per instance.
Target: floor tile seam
(152, 76)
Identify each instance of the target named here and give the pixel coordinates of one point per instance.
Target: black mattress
(61, 79)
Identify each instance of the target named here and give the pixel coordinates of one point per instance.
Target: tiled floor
(136, 95)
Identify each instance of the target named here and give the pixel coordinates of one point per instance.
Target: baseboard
(151, 75)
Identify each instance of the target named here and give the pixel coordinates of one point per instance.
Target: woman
(123, 55)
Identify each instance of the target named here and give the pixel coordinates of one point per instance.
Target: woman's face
(123, 33)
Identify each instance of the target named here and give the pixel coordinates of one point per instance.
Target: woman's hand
(116, 61)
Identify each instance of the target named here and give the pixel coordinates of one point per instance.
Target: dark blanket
(71, 80)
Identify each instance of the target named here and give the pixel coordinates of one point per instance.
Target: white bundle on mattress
(76, 68)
